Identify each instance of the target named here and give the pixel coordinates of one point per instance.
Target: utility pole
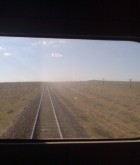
(130, 83)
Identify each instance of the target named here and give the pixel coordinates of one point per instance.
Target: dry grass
(111, 110)
(14, 97)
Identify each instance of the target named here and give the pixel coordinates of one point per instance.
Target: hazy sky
(38, 59)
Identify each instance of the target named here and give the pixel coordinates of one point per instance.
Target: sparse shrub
(10, 111)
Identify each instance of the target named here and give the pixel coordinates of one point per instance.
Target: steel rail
(38, 110)
(58, 126)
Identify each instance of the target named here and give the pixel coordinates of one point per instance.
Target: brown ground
(85, 109)
(111, 110)
(15, 102)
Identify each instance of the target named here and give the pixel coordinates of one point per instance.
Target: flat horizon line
(71, 81)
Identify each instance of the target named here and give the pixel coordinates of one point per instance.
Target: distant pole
(130, 83)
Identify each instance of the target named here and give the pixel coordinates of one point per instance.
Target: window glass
(69, 88)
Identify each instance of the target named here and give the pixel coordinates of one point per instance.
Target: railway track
(49, 116)
(46, 124)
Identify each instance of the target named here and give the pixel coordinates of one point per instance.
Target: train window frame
(107, 21)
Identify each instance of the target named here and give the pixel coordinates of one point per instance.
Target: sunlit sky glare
(45, 59)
